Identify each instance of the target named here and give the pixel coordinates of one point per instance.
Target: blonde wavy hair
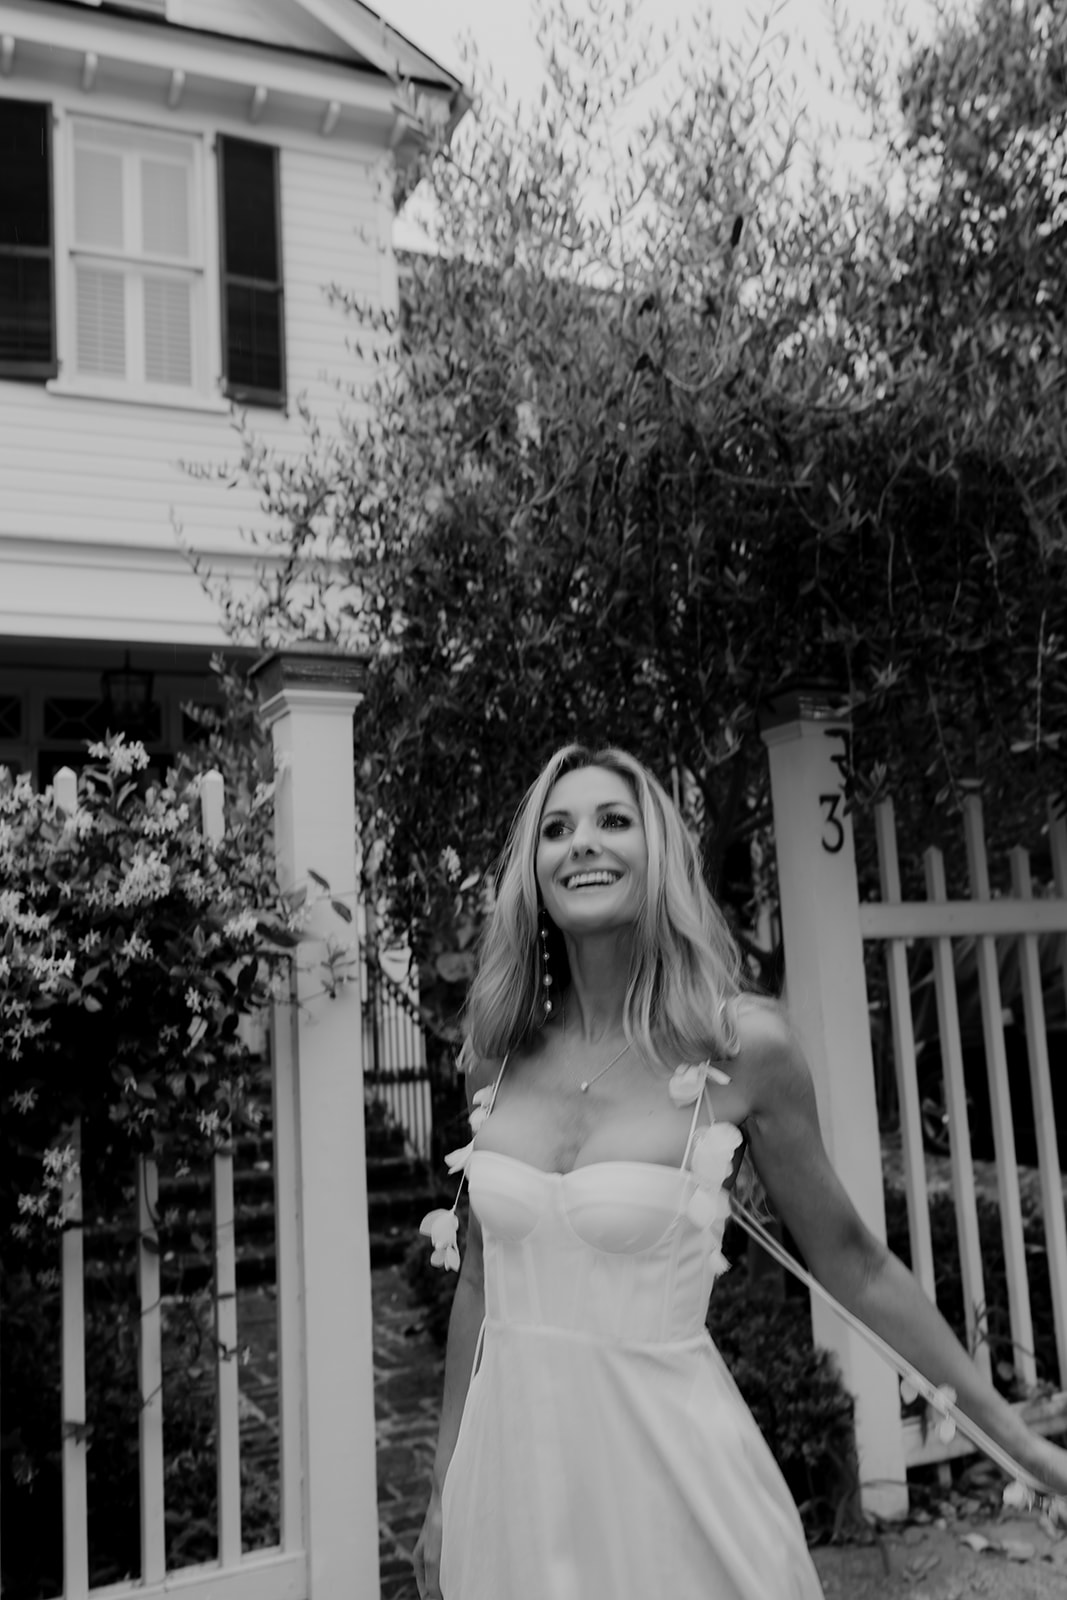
(685, 968)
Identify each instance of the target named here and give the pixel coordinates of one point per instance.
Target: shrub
(32, 1546)
(949, 1281)
(130, 948)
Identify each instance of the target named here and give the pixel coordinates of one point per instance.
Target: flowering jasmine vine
(130, 946)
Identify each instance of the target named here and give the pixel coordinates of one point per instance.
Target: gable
(346, 30)
(278, 22)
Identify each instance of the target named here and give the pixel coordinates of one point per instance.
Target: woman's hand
(1048, 1463)
(426, 1558)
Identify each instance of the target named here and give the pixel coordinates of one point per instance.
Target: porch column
(329, 1501)
(809, 751)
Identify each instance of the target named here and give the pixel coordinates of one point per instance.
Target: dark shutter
(27, 277)
(253, 308)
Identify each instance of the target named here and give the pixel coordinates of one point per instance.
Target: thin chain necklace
(585, 1084)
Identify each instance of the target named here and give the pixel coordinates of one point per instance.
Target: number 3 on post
(833, 836)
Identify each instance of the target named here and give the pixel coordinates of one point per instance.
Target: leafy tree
(670, 418)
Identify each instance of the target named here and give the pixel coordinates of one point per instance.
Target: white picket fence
(986, 920)
(279, 1573)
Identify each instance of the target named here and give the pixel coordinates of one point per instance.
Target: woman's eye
(552, 830)
(615, 819)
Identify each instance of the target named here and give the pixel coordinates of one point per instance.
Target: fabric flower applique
(482, 1100)
(459, 1160)
(443, 1229)
(687, 1082)
(709, 1204)
(443, 1226)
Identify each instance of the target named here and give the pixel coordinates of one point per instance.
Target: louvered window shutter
(27, 277)
(253, 302)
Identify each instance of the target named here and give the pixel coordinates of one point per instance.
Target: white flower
(1017, 1497)
(24, 1100)
(481, 1100)
(687, 1082)
(122, 758)
(50, 970)
(459, 1160)
(243, 926)
(704, 1208)
(194, 1000)
(719, 1263)
(450, 863)
(146, 878)
(713, 1153)
(442, 1228)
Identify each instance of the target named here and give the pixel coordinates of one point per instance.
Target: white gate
(824, 930)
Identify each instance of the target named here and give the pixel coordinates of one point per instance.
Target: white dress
(604, 1451)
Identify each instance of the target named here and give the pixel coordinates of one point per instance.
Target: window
(253, 338)
(136, 258)
(27, 299)
(122, 272)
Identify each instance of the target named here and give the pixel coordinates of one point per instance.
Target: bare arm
(843, 1254)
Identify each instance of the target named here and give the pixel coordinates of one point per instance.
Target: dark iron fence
(410, 1065)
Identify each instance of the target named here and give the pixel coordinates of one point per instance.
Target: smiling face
(592, 854)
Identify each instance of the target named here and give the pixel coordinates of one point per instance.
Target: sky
(505, 34)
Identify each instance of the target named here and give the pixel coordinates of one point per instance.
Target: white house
(180, 181)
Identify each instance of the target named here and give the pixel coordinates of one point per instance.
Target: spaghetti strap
(701, 1097)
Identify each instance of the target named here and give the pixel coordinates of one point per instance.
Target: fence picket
(226, 1368)
(911, 1132)
(287, 1248)
(150, 1374)
(963, 1192)
(227, 1387)
(1048, 1155)
(72, 1385)
(1011, 1221)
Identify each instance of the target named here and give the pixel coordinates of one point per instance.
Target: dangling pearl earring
(546, 976)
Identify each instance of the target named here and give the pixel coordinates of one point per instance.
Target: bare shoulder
(478, 1073)
(771, 1059)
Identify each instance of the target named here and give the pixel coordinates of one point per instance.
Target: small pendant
(583, 1088)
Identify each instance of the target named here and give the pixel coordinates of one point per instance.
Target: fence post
(308, 698)
(809, 753)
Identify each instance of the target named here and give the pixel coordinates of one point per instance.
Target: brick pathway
(408, 1373)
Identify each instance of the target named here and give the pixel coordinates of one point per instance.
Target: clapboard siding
(74, 464)
(332, 223)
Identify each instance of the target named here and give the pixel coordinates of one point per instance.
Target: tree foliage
(673, 415)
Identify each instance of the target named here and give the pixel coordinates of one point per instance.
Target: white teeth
(583, 880)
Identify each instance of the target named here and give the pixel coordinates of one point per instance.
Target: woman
(592, 1443)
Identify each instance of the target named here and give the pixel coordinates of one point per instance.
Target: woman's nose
(583, 839)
